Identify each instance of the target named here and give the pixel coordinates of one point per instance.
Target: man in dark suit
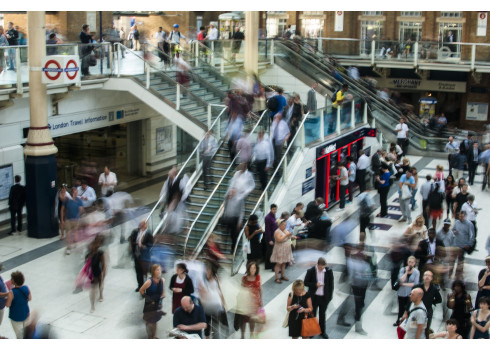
(140, 242)
(472, 157)
(429, 250)
(17, 200)
(319, 280)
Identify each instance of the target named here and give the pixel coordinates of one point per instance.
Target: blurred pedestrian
(251, 281)
(71, 209)
(140, 242)
(207, 148)
(213, 303)
(263, 153)
(241, 184)
(408, 277)
(280, 135)
(98, 263)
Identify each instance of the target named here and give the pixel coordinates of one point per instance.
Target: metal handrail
(212, 194)
(189, 158)
(270, 182)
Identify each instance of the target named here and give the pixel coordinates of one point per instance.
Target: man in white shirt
(362, 164)
(263, 155)
(425, 190)
(160, 37)
(344, 182)
(86, 194)
(402, 135)
(320, 282)
(107, 182)
(213, 33)
(280, 135)
(452, 148)
(352, 177)
(471, 209)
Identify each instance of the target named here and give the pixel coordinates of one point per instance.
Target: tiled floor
(51, 279)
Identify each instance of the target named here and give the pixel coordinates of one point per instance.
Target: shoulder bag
(310, 326)
(406, 193)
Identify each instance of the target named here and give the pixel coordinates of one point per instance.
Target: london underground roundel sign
(52, 70)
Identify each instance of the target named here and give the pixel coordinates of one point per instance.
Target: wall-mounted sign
(309, 172)
(425, 85)
(164, 139)
(6, 180)
(60, 69)
(481, 24)
(477, 111)
(308, 185)
(339, 21)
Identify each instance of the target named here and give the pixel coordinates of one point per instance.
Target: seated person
(321, 228)
(190, 318)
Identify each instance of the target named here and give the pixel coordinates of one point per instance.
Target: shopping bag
(310, 327)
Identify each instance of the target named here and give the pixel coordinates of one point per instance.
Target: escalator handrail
(373, 97)
(207, 231)
(279, 165)
(196, 149)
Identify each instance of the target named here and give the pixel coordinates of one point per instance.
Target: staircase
(206, 87)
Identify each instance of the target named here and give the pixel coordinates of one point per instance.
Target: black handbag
(92, 61)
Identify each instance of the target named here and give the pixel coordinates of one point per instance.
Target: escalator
(306, 66)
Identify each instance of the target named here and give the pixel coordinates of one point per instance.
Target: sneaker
(339, 209)
(402, 219)
(68, 252)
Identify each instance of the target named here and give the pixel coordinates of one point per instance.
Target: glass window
(454, 14)
(372, 13)
(275, 27)
(411, 14)
(412, 30)
(369, 30)
(313, 27)
(448, 34)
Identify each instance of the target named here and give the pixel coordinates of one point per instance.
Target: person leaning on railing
(85, 50)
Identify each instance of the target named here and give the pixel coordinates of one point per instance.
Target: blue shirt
(403, 179)
(19, 310)
(280, 105)
(386, 178)
(187, 319)
(72, 207)
(3, 289)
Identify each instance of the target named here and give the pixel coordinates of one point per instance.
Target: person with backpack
(174, 39)
(416, 316)
(276, 103)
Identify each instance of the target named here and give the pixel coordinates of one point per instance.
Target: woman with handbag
(181, 285)
(251, 281)
(407, 278)
(299, 305)
(153, 291)
(460, 302)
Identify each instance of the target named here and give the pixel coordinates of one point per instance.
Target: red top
(177, 297)
(200, 36)
(254, 287)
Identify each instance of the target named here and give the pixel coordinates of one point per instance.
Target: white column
(20, 88)
(364, 115)
(39, 140)
(177, 97)
(272, 51)
(251, 42)
(473, 56)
